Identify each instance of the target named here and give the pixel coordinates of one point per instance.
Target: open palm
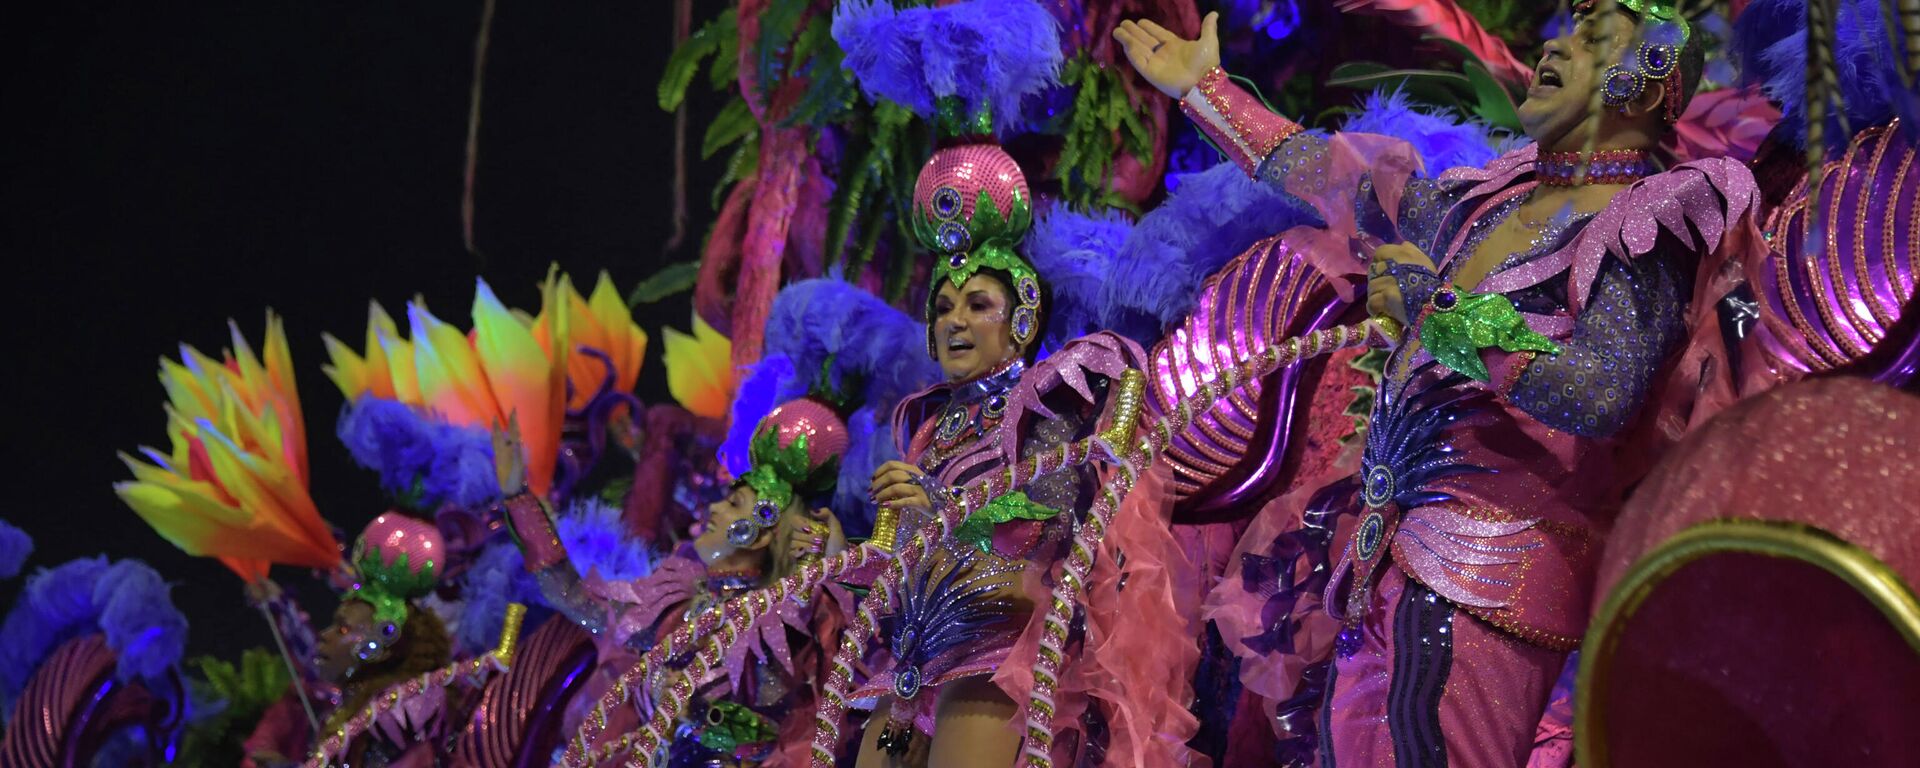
(1170, 63)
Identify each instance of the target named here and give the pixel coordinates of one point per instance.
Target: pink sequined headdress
(796, 449)
(398, 558)
(971, 206)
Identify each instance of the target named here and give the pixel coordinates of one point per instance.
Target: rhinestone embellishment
(1378, 488)
(946, 203)
(1372, 531)
(953, 238)
(907, 683)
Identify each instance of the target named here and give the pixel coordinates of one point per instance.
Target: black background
(172, 165)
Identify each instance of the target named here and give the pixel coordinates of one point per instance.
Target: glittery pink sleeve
(531, 526)
(1237, 122)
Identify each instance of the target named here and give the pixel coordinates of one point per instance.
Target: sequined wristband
(1237, 122)
(1508, 368)
(1417, 286)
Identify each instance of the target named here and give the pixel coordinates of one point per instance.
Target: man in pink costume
(1543, 297)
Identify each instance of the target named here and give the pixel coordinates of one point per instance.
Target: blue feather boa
(416, 453)
(15, 546)
(1770, 47)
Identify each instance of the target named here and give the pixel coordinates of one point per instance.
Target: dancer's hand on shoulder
(1170, 63)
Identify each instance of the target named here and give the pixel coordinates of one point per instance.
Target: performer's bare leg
(872, 756)
(972, 726)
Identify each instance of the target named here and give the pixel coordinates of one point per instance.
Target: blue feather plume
(868, 446)
(127, 602)
(597, 542)
(414, 452)
(871, 353)
(498, 576)
(1072, 252)
(15, 546)
(1770, 46)
(986, 52)
(758, 393)
(1442, 142)
(1150, 280)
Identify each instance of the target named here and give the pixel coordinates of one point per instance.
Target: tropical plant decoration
(233, 486)
(506, 369)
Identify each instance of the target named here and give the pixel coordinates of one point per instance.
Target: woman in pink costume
(767, 524)
(961, 610)
(1544, 296)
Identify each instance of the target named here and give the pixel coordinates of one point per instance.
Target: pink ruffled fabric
(1236, 610)
(1320, 461)
(1140, 654)
(1331, 187)
(1553, 739)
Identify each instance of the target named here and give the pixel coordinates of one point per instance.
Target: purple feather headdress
(1150, 279)
(832, 340)
(127, 602)
(420, 458)
(498, 576)
(15, 546)
(1770, 46)
(991, 53)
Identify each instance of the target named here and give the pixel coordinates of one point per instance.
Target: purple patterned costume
(952, 622)
(1464, 572)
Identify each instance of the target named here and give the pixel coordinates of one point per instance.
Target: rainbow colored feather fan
(234, 484)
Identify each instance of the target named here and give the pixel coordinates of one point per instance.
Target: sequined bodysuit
(963, 608)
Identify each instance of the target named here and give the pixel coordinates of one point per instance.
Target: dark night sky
(171, 165)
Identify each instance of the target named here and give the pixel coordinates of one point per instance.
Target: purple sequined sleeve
(1423, 204)
(1598, 382)
(1417, 284)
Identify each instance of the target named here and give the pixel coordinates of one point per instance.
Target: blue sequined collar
(995, 383)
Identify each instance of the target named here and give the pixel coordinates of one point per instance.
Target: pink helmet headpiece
(398, 559)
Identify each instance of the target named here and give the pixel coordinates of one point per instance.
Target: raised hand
(1171, 64)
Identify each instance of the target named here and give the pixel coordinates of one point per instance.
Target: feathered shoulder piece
(1707, 198)
(975, 58)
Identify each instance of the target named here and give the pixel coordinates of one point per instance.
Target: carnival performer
(966, 635)
(962, 609)
(379, 638)
(803, 444)
(1557, 289)
(749, 538)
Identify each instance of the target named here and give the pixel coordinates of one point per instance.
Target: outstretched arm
(1358, 184)
(1189, 70)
